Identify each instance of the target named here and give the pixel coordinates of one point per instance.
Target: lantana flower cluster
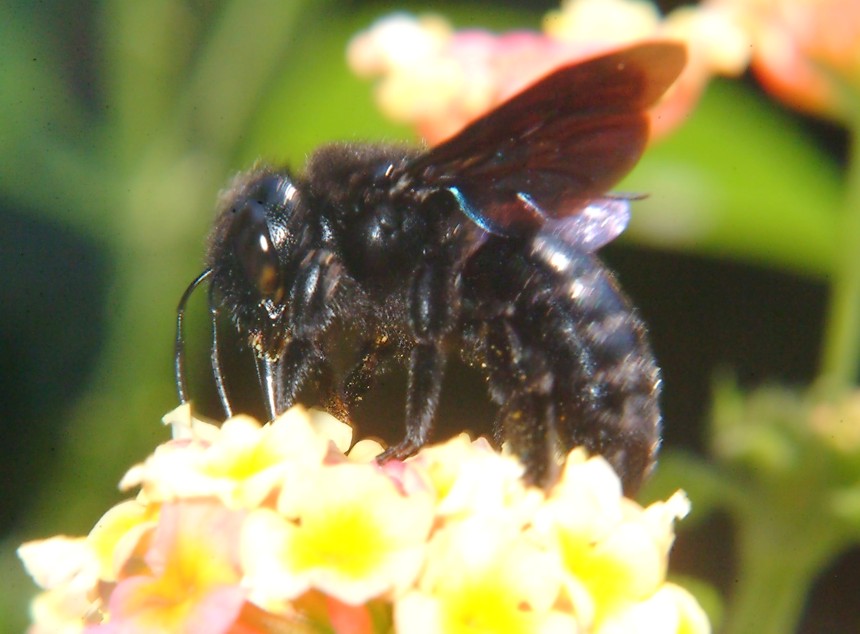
(277, 527)
(805, 52)
(438, 79)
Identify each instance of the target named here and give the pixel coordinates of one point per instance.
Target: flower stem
(778, 563)
(841, 354)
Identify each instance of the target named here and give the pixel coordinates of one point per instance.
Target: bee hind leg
(521, 382)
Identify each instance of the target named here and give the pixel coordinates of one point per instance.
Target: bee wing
(598, 223)
(549, 151)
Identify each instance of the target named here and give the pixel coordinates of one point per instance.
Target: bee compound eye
(255, 250)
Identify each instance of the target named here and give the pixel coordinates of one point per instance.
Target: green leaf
(707, 488)
(317, 99)
(740, 180)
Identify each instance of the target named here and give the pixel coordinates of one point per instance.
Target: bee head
(252, 245)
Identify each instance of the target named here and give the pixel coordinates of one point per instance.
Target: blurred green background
(119, 123)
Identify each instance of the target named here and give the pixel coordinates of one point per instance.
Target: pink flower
(439, 80)
(189, 576)
(807, 52)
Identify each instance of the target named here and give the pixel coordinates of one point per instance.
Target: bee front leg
(311, 311)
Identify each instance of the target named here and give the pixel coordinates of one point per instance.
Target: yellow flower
(614, 552)
(60, 560)
(483, 575)
(241, 465)
(471, 478)
(344, 529)
(259, 528)
(67, 567)
(116, 535)
(62, 611)
(184, 425)
(618, 21)
(669, 610)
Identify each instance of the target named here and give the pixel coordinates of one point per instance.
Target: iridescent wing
(557, 147)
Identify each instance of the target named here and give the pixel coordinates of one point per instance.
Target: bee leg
(521, 382)
(360, 378)
(311, 305)
(528, 423)
(432, 307)
(426, 368)
(311, 314)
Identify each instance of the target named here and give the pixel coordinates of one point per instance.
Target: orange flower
(806, 52)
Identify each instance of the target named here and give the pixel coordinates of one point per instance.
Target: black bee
(484, 244)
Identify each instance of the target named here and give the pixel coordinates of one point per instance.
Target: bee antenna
(179, 346)
(215, 358)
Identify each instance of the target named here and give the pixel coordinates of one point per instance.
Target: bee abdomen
(567, 358)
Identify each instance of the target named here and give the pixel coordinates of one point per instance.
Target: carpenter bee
(483, 244)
